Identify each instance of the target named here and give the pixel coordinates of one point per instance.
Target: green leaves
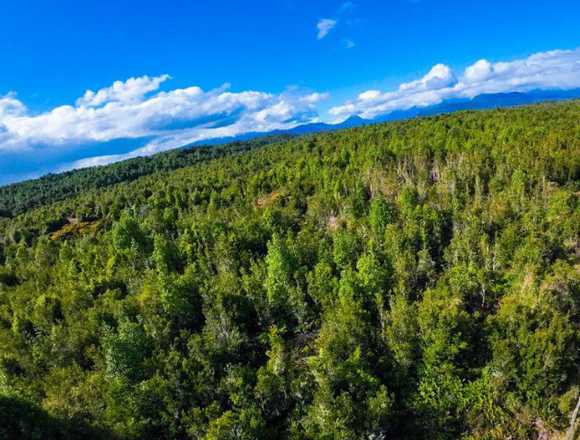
(126, 350)
(381, 214)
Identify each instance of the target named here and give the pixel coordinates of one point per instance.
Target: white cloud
(136, 108)
(439, 76)
(479, 71)
(10, 107)
(369, 95)
(557, 69)
(324, 26)
(314, 98)
(132, 90)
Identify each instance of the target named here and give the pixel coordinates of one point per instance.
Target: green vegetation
(411, 280)
(20, 197)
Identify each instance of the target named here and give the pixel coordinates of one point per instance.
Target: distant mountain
(496, 100)
(316, 127)
(480, 102)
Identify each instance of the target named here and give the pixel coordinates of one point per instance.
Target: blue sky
(179, 71)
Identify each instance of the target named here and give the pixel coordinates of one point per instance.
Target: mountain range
(480, 102)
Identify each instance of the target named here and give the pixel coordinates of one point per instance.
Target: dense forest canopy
(20, 197)
(410, 280)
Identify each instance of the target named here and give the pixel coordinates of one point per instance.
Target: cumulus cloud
(369, 95)
(440, 76)
(314, 98)
(136, 108)
(557, 69)
(10, 107)
(479, 71)
(324, 26)
(132, 90)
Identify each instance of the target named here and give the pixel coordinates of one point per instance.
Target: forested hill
(20, 197)
(409, 280)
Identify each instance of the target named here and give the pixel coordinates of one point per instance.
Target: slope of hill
(412, 280)
(20, 197)
(17, 198)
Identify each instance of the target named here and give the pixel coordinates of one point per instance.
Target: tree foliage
(414, 279)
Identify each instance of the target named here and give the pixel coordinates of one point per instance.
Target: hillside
(20, 197)
(406, 280)
(17, 198)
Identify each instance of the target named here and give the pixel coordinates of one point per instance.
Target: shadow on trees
(23, 420)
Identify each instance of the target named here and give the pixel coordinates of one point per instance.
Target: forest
(417, 279)
(20, 197)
